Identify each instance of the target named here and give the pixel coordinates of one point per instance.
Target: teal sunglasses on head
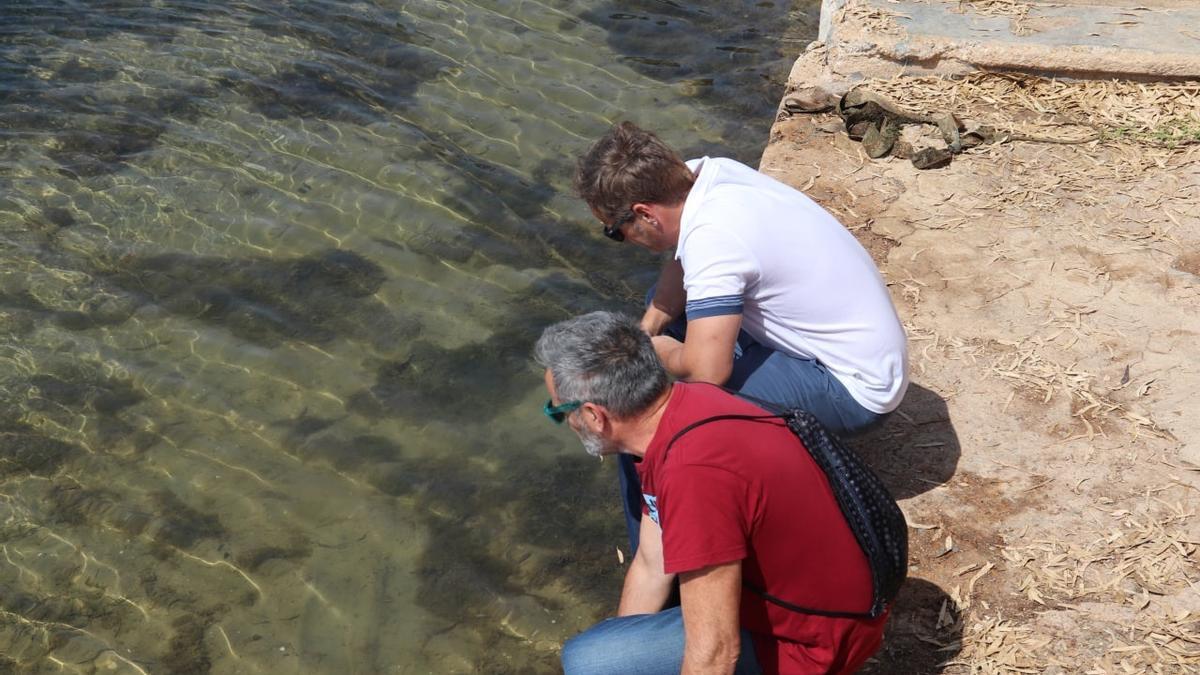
(558, 413)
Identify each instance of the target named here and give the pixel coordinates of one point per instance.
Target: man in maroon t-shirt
(731, 504)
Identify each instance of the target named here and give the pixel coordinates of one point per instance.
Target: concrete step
(1151, 39)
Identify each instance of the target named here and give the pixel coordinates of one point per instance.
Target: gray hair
(604, 358)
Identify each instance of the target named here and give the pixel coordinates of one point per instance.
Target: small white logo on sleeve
(652, 504)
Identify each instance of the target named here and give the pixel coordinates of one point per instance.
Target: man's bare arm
(707, 354)
(646, 586)
(669, 299)
(710, 600)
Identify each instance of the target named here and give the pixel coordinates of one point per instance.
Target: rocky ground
(1051, 293)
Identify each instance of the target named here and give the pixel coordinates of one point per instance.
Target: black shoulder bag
(873, 516)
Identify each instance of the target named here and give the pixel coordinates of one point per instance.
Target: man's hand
(655, 320)
(707, 354)
(646, 585)
(709, 598)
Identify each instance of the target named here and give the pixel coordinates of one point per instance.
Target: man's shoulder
(730, 175)
(711, 417)
(702, 397)
(721, 162)
(713, 236)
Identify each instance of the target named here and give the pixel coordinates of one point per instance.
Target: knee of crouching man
(581, 656)
(572, 656)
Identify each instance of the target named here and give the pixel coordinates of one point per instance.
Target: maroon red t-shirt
(748, 490)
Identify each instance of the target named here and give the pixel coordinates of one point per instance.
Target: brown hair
(629, 165)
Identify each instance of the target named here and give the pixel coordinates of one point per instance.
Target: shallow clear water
(269, 277)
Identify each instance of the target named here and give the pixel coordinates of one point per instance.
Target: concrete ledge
(884, 38)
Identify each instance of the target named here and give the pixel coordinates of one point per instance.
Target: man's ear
(646, 211)
(594, 417)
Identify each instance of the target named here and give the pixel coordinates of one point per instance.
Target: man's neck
(672, 220)
(635, 435)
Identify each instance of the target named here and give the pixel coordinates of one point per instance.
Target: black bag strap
(714, 418)
(761, 592)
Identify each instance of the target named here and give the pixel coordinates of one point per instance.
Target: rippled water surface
(269, 277)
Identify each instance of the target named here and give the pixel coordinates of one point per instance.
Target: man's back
(745, 490)
(808, 288)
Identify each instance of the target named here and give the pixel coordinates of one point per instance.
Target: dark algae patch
(86, 135)
(439, 382)
(251, 560)
(186, 652)
(370, 64)
(180, 525)
(162, 518)
(536, 523)
(315, 298)
(729, 64)
(23, 451)
(64, 605)
(454, 383)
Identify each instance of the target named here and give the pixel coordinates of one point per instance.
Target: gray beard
(594, 445)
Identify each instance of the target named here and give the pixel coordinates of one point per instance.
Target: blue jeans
(642, 644)
(773, 376)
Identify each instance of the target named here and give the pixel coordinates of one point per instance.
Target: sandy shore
(1050, 293)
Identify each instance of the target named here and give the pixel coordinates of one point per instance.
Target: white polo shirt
(803, 284)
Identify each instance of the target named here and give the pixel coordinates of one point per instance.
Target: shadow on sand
(912, 641)
(916, 449)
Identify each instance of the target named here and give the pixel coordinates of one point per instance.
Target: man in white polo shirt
(767, 294)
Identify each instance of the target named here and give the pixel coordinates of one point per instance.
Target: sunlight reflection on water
(271, 274)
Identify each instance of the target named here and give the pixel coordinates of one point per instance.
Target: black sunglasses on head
(614, 231)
